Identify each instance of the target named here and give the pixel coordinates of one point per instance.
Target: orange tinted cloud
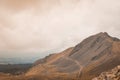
(18, 4)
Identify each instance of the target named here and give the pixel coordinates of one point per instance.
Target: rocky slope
(94, 55)
(114, 74)
(88, 59)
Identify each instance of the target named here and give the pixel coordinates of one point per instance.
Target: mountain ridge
(80, 60)
(94, 55)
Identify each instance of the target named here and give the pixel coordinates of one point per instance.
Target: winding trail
(75, 61)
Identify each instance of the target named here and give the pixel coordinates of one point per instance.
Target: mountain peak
(107, 36)
(103, 34)
(101, 39)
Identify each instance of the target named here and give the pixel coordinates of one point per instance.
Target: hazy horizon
(32, 29)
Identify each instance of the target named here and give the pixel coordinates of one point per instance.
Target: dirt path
(80, 66)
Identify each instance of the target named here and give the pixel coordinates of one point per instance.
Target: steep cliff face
(86, 60)
(113, 74)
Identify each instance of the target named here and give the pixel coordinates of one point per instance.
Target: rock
(114, 74)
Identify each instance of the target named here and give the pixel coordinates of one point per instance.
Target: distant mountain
(15, 60)
(14, 68)
(86, 60)
(10, 60)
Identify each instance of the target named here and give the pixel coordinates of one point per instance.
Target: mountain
(14, 68)
(113, 74)
(10, 60)
(15, 60)
(94, 55)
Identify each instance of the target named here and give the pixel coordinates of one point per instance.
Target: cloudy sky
(35, 28)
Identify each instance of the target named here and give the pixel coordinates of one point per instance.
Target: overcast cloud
(39, 27)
